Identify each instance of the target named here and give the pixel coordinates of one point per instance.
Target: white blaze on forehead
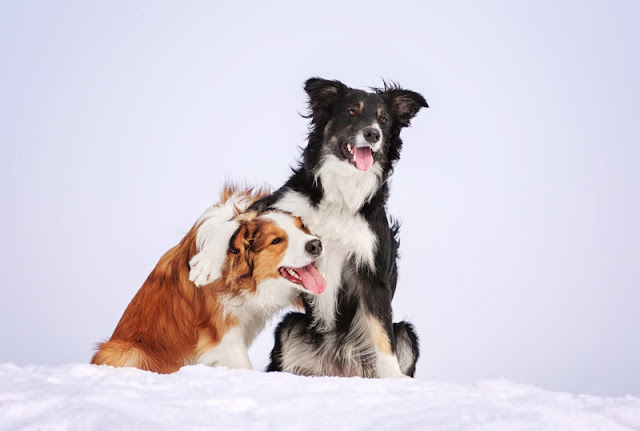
(296, 255)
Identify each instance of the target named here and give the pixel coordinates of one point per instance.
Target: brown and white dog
(209, 296)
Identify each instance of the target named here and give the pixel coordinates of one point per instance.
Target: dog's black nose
(371, 134)
(314, 247)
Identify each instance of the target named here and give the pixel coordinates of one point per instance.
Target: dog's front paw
(202, 269)
(388, 366)
(392, 374)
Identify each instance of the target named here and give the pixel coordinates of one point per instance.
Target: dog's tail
(120, 353)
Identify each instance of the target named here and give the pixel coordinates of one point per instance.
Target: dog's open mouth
(309, 277)
(360, 157)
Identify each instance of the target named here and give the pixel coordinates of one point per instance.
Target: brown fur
(170, 321)
(379, 335)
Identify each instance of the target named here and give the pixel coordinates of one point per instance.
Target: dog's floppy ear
(323, 93)
(404, 104)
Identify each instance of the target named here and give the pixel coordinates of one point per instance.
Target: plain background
(518, 190)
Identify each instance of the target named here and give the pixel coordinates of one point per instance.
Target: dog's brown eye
(234, 251)
(352, 111)
(277, 240)
(383, 120)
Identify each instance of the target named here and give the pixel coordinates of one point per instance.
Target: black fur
(405, 333)
(337, 112)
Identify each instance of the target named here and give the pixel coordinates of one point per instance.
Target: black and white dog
(340, 191)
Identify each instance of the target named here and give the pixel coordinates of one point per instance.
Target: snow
(87, 397)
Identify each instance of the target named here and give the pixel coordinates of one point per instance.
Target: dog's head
(272, 245)
(357, 127)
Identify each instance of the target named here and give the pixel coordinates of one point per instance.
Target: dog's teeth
(293, 274)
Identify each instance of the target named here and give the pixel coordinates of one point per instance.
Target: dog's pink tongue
(312, 280)
(364, 159)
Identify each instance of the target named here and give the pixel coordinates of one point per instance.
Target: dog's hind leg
(407, 348)
(295, 350)
(119, 353)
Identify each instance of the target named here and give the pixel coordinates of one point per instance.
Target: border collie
(210, 296)
(340, 191)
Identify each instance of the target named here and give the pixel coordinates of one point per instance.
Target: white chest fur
(252, 312)
(344, 233)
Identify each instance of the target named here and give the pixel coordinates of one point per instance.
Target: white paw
(393, 375)
(388, 366)
(203, 271)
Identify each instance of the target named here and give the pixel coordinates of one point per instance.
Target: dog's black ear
(322, 93)
(404, 104)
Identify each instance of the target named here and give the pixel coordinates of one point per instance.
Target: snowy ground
(87, 397)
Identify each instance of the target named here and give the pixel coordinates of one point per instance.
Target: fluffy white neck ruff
(345, 186)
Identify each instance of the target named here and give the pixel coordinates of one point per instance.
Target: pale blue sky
(519, 189)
